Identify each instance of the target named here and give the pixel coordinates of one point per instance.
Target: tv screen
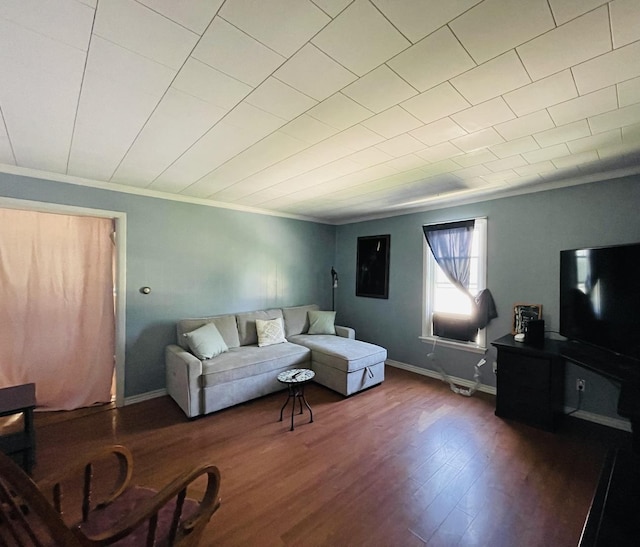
(600, 297)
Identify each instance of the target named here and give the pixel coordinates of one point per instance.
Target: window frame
(428, 286)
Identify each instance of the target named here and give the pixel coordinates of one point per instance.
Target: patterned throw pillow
(270, 332)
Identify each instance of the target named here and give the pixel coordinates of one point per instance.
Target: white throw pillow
(206, 342)
(270, 332)
(322, 322)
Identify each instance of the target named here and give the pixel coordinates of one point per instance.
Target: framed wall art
(522, 314)
(372, 268)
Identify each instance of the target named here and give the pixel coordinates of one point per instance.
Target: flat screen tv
(600, 297)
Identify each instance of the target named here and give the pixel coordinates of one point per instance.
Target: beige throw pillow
(206, 342)
(270, 332)
(322, 322)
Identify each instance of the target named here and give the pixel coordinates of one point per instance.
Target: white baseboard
(435, 374)
(144, 396)
(615, 423)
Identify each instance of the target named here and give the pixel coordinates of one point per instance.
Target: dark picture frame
(522, 314)
(372, 268)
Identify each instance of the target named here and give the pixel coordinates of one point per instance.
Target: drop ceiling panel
(629, 92)
(279, 99)
(563, 133)
(483, 115)
(437, 132)
(585, 106)
(552, 90)
(235, 53)
(576, 159)
(479, 139)
(493, 27)
(392, 122)
(314, 73)
(506, 164)
(332, 7)
(178, 121)
(308, 129)
(548, 153)
(401, 145)
(492, 78)
(627, 115)
(360, 38)
(625, 22)
(475, 158)
(568, 45)
(163, 41)
(535, 168)
(601, 140)
(525, 125)
(614, 67)
(436, 103)
(380, 89)
(433, 60)
(439, 152)
(270, 22)
(565, 10)
(515, 146)
(340, 111)
(6, 153)
(192, 14)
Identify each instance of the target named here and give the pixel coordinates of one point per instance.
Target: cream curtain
(57, 320)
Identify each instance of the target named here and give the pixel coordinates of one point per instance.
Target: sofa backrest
(247, 324)
(226, 325)
(296, 320)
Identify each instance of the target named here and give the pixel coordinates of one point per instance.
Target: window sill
(447, 343)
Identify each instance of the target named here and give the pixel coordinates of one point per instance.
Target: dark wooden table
(20, 445)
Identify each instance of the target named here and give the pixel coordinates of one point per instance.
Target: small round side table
(296, 379)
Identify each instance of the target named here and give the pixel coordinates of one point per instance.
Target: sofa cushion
(205, 342)
(250, 361)
(341, 353)
(270, 332)
(322, 322)
(296, 319)
(226, 325)
(247, 324)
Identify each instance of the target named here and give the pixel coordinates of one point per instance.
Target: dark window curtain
(450, 244)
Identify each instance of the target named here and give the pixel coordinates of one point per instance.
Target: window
(449, 303)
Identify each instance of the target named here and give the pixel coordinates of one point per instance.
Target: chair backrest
(26, 517)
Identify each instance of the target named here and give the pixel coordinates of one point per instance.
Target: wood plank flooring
(407, 463)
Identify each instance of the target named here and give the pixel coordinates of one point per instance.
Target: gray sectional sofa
(246, 371)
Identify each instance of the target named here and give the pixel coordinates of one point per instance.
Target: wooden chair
(108, 510)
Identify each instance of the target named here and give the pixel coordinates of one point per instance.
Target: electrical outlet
(580, 384)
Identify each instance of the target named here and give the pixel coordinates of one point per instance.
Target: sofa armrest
(183, 370)
(345, 332)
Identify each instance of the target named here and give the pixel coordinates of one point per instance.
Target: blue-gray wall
(198, 260)
(525, 236)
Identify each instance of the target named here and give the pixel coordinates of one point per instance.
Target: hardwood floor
(407, 463)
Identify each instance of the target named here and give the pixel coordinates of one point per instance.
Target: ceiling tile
(233, 52)
(211, 85)
(406, 163)
(439, 152)
(549, 153)
(614, 67)
(535, 168)
(65, 21)
(6, 153)
(565, 10)
(443, 166)
(498, 176)
(576, 159)
(380, 89)
(439, 131)
(631, 133)
(163, 41)
(601, 140)
(370, 156)
(475, 158)
(629, 92)
(543, 93)
(470, 172)
(279, 99)
(193, 14)
(525, 125)
(340, 111)
(178, 121)
(400, 145)
(392, 122)
(495, 26)
(585, 106)
(314, 73)
(572, 43)
(491, 79)
(484, 115)
(436, 103)
(516, 146)
(269, 22)
(625, 22)
(355, 138)
(433, 60)
(627, 115)
(308, 129)
(360, 38)
(480, 139)
(409, 15)
(506, 163)
(332, 7)
(563, 133)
